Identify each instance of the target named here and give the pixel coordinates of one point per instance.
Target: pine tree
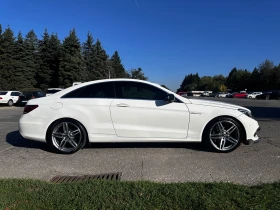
(71, 64)
(49, 50)
(55, 52)
(100, 69)
(31, 43)
(21, 74)
(43, 75)
(1, 53)
(7, 60)
(137, 74)
(88, 57)
(117, 66)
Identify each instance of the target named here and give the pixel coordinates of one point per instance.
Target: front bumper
(255, 140)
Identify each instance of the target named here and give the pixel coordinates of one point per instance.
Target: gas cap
(56, 105)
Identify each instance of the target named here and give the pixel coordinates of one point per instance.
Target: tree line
(27, 61)
(264, 77)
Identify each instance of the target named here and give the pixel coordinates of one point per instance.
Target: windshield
(3, 93)
(52, 91)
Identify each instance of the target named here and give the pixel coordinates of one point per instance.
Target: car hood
(216, 104)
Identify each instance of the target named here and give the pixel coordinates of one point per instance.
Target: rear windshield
(3, 93)
(53, 91)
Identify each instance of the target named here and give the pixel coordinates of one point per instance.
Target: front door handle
(122, 105)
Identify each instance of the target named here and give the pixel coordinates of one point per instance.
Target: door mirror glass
(170, 98)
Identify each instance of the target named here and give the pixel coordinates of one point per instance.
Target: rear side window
(99, 90)
(3, 93)
(137, 90)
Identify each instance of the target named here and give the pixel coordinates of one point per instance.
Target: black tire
(10, 103)
(51, 141)
(210, 144)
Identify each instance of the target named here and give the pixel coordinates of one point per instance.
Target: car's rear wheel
(223, 134)
(66, 136)
(10, 103)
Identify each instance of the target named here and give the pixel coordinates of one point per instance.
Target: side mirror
(170, 98)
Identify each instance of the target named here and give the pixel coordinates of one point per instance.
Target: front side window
(137, 90)
(99, 90)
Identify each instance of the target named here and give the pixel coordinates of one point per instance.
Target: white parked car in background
(9, 97)
(254, 94)
(222, 95)
(128, 110)
(51, 91)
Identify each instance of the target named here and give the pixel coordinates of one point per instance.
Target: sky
(168, 39)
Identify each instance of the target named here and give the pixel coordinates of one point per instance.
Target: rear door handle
(122, 105)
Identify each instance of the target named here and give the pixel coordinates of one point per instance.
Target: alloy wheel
(66, 137)
(224, 135)
(10, 103)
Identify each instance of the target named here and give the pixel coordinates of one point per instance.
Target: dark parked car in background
(275, 94)
(230, 95)
(29, 93)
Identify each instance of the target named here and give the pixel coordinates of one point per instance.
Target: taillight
(1, 98)
(29, 108)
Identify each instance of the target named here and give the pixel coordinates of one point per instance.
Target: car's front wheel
(66, 136)
(223, 134)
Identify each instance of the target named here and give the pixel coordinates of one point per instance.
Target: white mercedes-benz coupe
(128, 110)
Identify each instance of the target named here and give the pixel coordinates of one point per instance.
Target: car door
(140, 111)
(14, 96)
(93, 101)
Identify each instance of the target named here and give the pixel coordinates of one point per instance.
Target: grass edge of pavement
(35, 194)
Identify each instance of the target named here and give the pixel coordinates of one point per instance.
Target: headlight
(246, 112)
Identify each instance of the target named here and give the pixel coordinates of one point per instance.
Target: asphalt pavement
(161, 162)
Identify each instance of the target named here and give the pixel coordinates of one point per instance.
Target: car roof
(55, 88)
(64, 91)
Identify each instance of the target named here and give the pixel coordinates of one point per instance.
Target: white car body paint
(126, 120)
(9, 96)
(51, 91)
(254, 94)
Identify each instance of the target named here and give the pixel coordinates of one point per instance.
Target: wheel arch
(66, 118)
(234, 118)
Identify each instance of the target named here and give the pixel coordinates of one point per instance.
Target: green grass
(32, 194)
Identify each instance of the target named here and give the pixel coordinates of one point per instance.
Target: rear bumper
(33, 128)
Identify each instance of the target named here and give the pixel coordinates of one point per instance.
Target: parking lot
(163, 162)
